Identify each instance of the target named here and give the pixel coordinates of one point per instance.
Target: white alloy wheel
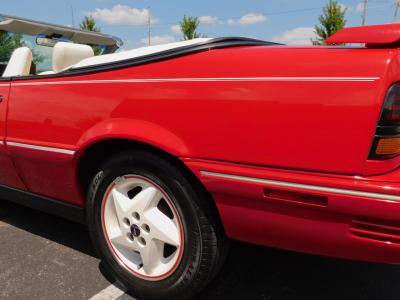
(142, 227)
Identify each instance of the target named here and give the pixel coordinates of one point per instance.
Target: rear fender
(135, 130)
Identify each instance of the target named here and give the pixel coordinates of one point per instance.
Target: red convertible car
(168, 152)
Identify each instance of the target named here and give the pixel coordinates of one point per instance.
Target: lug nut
(142, 241)
(146, 228)
(136, 216)
(127, 222)
(130, 237)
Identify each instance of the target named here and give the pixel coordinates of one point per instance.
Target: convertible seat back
(20, 63)
(66, 55)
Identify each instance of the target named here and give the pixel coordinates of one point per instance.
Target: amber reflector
(388, 146)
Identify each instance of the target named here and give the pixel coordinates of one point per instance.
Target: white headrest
(20, 63)
(66, 55)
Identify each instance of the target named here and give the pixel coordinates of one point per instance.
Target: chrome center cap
(135, 230)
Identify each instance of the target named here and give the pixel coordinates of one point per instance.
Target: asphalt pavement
(47, 257)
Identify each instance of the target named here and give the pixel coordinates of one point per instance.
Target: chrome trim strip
(41, 148)
(1, 143)
(301, 186)
(217, 79)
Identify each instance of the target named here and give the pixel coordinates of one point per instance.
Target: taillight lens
(391, 109)
(388, 146)
(387, 137)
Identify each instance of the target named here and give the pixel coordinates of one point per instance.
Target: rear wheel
(154, 231)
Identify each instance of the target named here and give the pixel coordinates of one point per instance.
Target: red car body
(280, 136)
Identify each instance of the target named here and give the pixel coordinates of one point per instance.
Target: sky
(284, 21)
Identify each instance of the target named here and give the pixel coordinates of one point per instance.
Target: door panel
(8, 174)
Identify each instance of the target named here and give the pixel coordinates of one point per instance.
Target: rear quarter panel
(252, 105)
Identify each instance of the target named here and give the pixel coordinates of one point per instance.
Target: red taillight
(387, 138)
(391, 109)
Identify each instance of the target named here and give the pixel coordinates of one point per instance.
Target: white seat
(66, 55)
(20, 63)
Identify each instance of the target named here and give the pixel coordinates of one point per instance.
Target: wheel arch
(91, 158)
(114, 135)
(93, 155)
(135, 130)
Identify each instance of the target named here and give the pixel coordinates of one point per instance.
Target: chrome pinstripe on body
(301, 186)
(41, 148)
(217, 79)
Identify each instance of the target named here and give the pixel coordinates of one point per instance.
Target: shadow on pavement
(53, 228)
(250, 272)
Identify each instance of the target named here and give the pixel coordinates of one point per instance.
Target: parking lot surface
(47, 257)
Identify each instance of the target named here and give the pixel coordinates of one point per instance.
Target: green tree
(89, 24)
(11, 41)
(332, 20)
(189, 26)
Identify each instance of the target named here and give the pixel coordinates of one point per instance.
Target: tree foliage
(332, 20)
(189, 27)
(11, 41)
(89, 24)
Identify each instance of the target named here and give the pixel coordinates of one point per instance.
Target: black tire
(205, 242)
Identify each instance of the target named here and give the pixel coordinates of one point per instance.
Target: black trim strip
(43, 203)
(383, 131)
(216, 43)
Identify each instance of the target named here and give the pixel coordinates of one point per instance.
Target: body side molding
(41, 148)
(301, 186)
(43, 203)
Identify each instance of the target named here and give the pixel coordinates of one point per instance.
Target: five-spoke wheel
(142, 227)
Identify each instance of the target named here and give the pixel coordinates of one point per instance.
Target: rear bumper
(342, 216)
